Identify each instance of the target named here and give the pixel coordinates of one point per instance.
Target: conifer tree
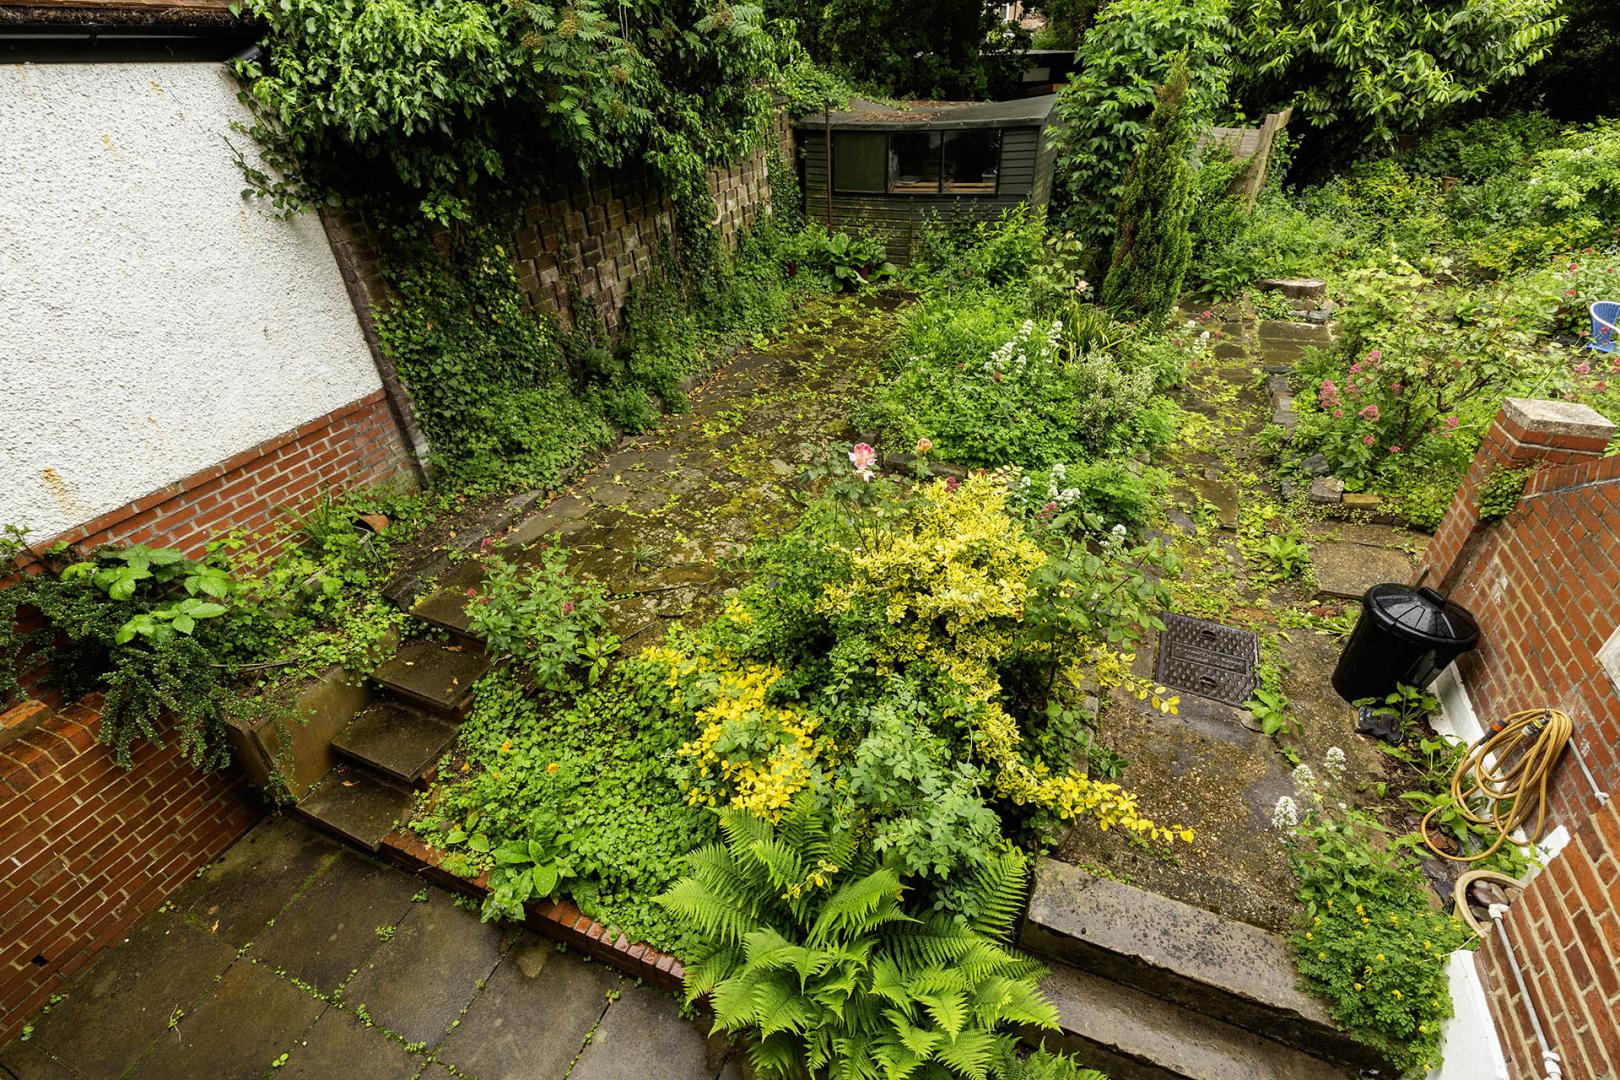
(1152, 243)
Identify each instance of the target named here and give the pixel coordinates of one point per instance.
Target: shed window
(972, 160)
(914, 162)
(917, 162)
(858, 161)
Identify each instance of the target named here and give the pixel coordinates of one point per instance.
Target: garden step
(1131, 1035)
(435, 674)
(1229, 970)
(355, 805)
(447, 607)
(396, 740)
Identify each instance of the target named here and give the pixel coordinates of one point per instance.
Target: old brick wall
(1565, 934)
(593, 235)
(87, 848)
(1544, 583)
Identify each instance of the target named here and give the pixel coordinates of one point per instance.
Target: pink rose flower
(1368, 440)
(863, 458)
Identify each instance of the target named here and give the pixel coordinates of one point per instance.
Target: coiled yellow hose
(1525, 746)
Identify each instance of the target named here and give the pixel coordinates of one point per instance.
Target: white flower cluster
(1285, 815)
(1012, 357)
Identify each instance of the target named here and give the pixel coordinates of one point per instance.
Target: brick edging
(559, 920)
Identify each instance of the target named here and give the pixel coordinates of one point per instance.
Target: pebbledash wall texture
(1545, 585)
(156, 324)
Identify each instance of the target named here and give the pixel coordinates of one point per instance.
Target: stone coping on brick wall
(559, 920)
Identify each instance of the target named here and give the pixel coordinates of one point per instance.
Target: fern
(812, 955)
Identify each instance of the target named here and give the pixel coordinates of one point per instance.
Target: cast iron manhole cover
(1208, 659)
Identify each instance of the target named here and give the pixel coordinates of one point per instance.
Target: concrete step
(1228, 970)
(1131, 1035)
(399, 741)
(355, 805)
(435, 675)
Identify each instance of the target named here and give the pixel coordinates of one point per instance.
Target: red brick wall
(354, 446)
(87, 848)
(1544, 583)
(1565, 934)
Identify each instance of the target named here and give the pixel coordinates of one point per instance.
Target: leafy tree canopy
(948, 49)
(440, 96)
(1381, 67)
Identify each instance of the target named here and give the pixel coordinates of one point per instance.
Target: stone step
(434, 674)
(1131, 1035)
(401, 742)
(1229, 970)
(355, 805)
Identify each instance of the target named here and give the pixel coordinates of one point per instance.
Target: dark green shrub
(1151, 239)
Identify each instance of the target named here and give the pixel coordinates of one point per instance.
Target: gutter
(38, 33)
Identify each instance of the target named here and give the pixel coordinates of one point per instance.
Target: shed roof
(934, 115)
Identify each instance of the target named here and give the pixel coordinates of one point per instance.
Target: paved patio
(296, 958)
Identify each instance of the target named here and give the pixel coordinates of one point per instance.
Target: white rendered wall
(152, 321)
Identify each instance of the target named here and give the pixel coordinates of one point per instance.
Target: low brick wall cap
(1558, 418)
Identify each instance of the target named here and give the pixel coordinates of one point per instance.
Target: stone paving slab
(417, 984)
(331, 929)
(254, 880)
(233, 1014)
(624, 1048)
(237, 1032)
(340, 1047)
(531, 1019)
(1347, 570)
(113, 1013)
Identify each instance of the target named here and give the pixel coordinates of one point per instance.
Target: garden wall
(595, 234)
(87, 848)
(1545, 584)
(172, 354)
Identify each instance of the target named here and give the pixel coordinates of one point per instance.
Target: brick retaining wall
(1544, 583)
(87, 848)
(355, 446)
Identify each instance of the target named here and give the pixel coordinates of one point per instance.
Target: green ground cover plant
(1004, 363)
(1368, 940)
(594, 780)
(182, 645)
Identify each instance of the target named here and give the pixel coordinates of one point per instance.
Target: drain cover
(1205, 658)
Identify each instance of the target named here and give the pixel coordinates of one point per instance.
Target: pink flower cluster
(1327, 395)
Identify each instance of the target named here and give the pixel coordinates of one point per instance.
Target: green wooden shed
(893, 168)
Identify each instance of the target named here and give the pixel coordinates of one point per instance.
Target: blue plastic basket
(1605, 313)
